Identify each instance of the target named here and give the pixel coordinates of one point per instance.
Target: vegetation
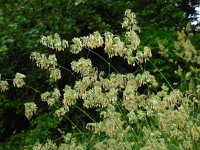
(94, 85)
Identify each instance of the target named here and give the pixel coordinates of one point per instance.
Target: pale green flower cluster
(92, 41)
(96, 98)
(133, 39)
(114, 127)
(30, 109)
(179, 126)
(55, 74)
(111, 124)
(49, 145)
(163, 51)
(49, 63)
(114, 81)
(112, 144)
(113, 45)
(51, 97)
(145, 78)
(132, 100)
(43, 61)
(147, 52)
(70, 143)
(61, 111)
(70, 96)
(3, 85)
(83, 66)
(54, 42)
(83, 84)
(185, 49)
(164, 100)
(130, 21)
(18, 81)
(172, 99)
(154, 140)
(77, 46)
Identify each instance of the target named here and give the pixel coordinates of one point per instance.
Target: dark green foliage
(23, 22)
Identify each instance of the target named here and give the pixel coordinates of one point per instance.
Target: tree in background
(23, 22)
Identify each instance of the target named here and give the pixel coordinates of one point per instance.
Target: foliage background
(23, 22)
